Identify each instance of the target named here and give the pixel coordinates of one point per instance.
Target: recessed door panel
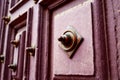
(79, 16)
(18, 53)
(21, 55)
(16, 50)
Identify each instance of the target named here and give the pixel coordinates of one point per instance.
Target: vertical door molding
(112, 19)
(39, 66)
(3, 9)
(21, 53)
(3, 12)
(100, 39)
(28, 43)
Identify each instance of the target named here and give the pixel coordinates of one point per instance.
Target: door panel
(73, 41)
(17, 48)
(90, 61)
(79, 17)
(18, 60)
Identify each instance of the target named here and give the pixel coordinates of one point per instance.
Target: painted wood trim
(40, 46)
(112, 40)
(4, 9)
(18, 5)
(3, 12)
(13, 2)
(16, 21)
(21, 54)
(9, 49)
(28, 42)
(99, 33)
(75, 78)
(7, 56)
(100, 41)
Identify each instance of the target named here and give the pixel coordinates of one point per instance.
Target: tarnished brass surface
(2, 58)
(69, 41)
(6, 19)
(31, 50)
(35, 1)
(15, 42)
(12, 67)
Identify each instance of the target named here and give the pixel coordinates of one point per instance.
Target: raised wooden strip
(18, 5)
(28, 42)
(21, 53)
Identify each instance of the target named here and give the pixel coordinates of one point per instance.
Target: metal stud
(31, 50)
(1, 58)
(12, 67)
(35, 1)
(15, 42)
(70, 40)
(6, 19)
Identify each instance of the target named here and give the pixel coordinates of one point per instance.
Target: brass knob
(6, 19)
(1, 58)
(12, 67)
(15, 42)
(70, 40)
(31, 50)
(66, 39)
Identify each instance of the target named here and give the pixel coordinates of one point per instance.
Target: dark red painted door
(71, 44)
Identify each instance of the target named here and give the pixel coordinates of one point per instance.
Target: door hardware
(12, 67)
(6, 19)
(31, 50)
(2, 58)
(69, 41)
(15, 42)
(35, 1)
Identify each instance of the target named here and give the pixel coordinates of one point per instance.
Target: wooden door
(58, 40)
(17, 59)
(90, 59)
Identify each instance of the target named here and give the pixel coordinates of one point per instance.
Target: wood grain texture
(116, 16)
(112, 38)
(101, 54)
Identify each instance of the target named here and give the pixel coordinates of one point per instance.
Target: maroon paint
(99, 33)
